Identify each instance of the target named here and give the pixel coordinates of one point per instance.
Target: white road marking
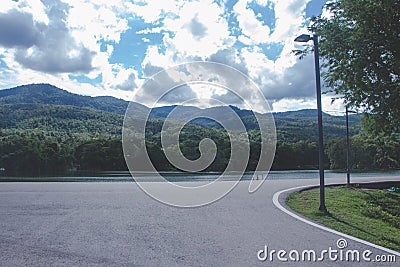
(275, 200)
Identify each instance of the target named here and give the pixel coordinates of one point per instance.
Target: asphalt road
(116, 224)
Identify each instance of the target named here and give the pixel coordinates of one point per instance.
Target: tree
(360, 48)
(368, 152)
(100, 154)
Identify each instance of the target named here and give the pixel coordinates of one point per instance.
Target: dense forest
(46, 130)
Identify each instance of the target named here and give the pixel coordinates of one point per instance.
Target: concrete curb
(279, 202)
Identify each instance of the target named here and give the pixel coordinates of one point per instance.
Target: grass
(369, 214)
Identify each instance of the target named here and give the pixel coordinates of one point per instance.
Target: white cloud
(66, 40)
(326, 13)
(118, 77)
(289, 104)
(7, 6)
(91, 23)
(231, 57)
(152, 11)
(199, 30)
(285, 77)
(18, 30)
(191, 30)
(44, 47)
(336, 107)
(34, 7)
(251, 27)
(293, 104)
(245, 40)
(290, 16)
(274, 78)
(196, 31)
(150, 30)
(155, 61)
(17, 76)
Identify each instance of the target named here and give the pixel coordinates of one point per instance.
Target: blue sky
(100, 47)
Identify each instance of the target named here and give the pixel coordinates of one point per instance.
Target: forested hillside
(46, 129)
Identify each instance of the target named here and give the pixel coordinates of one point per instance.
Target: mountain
(59, 120)
(50, 95)
(46, 107)
(304, 113)
(44, 129)
(291, 126)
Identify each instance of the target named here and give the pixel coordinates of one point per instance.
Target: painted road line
(276, 202)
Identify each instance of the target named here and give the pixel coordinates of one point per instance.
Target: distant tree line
(36, 152)
(41, 154)
(373, 148)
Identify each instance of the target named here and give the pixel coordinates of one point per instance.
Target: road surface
(116, 224)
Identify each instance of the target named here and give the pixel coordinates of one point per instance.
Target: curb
(283, 194)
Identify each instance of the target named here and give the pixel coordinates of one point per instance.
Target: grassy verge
(370, 214)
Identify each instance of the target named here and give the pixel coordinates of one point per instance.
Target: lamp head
(304, 38)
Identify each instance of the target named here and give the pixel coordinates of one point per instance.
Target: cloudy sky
(101, 47)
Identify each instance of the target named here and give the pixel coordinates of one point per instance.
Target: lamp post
(304, 38)
(348, 145)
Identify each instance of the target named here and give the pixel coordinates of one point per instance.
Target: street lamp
(304, 38)
(348, 145)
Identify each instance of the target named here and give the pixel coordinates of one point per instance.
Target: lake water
(185, 177)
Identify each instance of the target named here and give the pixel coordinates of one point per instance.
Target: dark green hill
(59, 120)
(50, 95)
(50, 108)
(44, 129)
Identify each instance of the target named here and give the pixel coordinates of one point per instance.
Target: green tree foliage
(100, 155)
(299, 155)
(68, 133)
(51, 95)
(360, 48)
(33, 154)
(367, 152)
